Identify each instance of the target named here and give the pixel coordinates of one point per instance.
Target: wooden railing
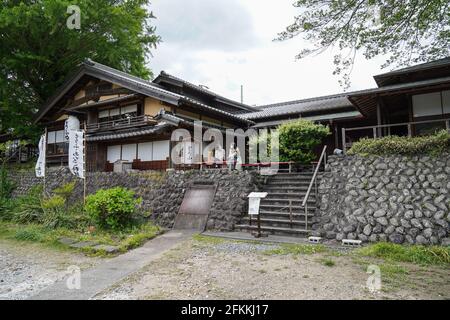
(121, 123)
(323, 158)
(377, 130)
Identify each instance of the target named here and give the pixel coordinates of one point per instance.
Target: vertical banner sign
(188, 154)
(40, 165)
(72, 123)
(76, 153)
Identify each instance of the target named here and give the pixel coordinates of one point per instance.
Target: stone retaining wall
(162, 192)
(397, 199)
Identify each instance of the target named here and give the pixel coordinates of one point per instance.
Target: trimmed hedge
(299, 138)
(394, 145)
(112, 208)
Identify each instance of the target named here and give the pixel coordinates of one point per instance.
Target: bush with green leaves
(394, 145)
(299, 138)
(268, 140)
(112, 208)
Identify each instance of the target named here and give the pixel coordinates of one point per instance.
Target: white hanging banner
(188, 152)
(40, 164)
(76, 153)
(72, 123)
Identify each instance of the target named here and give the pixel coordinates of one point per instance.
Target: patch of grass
(392, 270)
(295, 249)
(328, 262)
(432, 255)
(30, 233)
(128, 239)
(139, 235)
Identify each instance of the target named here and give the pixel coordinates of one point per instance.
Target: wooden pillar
(336, 135)
(379, 122)
(343, 140)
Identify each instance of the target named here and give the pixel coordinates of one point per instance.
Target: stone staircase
(284, 189)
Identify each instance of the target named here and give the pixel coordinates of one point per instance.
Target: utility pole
(242, 93)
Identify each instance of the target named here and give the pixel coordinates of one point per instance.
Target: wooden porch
(382, 130)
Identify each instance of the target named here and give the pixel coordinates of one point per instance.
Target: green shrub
(257, 141)
(299, 138)
(394, 145)
(112, 208)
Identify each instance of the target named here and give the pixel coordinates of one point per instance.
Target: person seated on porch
(233, 156)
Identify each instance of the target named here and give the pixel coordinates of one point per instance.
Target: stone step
(298, 210)
(289, 183)
(282, 188)
(290, 179)
(285, 201)
(285, 215)
(290, 195)
(296, 232)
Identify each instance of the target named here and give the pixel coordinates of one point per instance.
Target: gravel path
(233, 270)
(223, 270)
(26, 269)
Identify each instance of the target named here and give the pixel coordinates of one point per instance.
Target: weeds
(295, 249)
(432, 255)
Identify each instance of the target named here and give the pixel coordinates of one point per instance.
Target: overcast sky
(225, 43)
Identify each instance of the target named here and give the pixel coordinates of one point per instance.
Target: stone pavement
(102, 276)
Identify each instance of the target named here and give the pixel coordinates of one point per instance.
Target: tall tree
(407, 32)
(38, 50)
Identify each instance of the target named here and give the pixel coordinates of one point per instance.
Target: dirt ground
(237, 270)
(26, 268)
(225, 269)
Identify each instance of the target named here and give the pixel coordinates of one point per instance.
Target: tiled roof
(164, 74)
(322, 117)
(134, 83)
(427, 65)
(325, 103)
(127, 134)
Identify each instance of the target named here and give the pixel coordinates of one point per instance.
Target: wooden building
(131, 119)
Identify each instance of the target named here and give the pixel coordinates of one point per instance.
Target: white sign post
(254, 199)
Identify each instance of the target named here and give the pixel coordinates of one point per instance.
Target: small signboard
(253, 202)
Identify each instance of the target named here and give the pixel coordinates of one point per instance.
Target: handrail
(322, 155)
(377, 132)
(313, 180)
(381, 126)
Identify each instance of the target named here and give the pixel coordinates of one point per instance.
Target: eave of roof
(106, 102)
(323, 117)
(224, 113)
(103, 72)
(324, 103)
(365, 100)
(127, 134)
(130, 82)
(415, 68)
